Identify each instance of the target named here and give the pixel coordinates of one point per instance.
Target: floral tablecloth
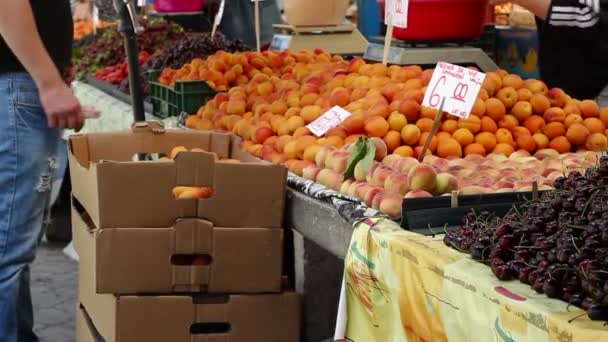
(401, 286)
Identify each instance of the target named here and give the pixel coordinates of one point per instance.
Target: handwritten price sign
(398, 9)
(459, 86)
(327, 121)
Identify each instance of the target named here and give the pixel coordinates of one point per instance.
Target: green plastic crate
(187, 96)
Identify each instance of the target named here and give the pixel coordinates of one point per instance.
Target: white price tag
(327, 121)
(459, 86)
(141, 3)
(399, 10)
(95, 16)
(280, 42)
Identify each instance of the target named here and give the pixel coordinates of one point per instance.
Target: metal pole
(129, 27)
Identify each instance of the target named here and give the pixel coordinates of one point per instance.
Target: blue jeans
(27, 166)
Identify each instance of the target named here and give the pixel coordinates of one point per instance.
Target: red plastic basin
(178, 6)
(442, 20)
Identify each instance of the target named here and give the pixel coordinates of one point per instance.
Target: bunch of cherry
(558, 244)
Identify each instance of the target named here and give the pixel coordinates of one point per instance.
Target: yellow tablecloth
(401, 286)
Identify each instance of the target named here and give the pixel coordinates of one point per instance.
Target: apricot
(524, 94)
(309, 99)
(487, 140)
(427, 112)
(397, 121)
(411, 110)
(554, 114)
(589, 109)
(479, 108)
(522, 110)
(509, 122)
(572, 108)
(294, 123)
(560, 144)
(534, 123)
(604, 116)
(335, 141)
(463, 136)
(495, 109)
(337, 132)
(520, 130)
(392, 140)
(594, 125)
(311, 113)
(475, 148)
(508, 96)
(261, 134)
(577, 134)
(354, 124)
(301, 131)
(572, 119)
(352, 138)
(432, 146)
(425, 124)
(472, 123)
(281, 142)
(597, 142)
(311, 152)
(526, 142)
(176, 150)
(404, 151)
(513, 80)
(376, 126)
(541, 140)
(442, 135)
(448, 147)
(502, 148)
(410, 134)
(488, 124)
(554, 129)
(278, 107)
(540, 103)
(504, 136)
(449, 126)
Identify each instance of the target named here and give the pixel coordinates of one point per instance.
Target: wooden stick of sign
(257, 24)
(436, 124)
(218, 18)
(388, 38)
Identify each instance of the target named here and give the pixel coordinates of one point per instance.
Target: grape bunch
(558, 244)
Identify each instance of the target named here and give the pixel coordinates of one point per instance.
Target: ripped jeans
(27, 168)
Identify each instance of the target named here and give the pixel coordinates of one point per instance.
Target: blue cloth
(28, 163)
(238, 21)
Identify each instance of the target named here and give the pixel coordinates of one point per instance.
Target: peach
(337, 161)
(397, 121)
(589, 109)
(534, 124)
(488, 124)
(410, 134)
(376, 126)
(495, 109)
(541, 140)
(311, 172)
(360, 171)
(396, 182)
(475, 149)
(508, 96)
(522, 110)
(554, 114)
(322, 154)
(345, 186)
(536, 86)
(557, 97)
(463, 136)
(446, 183)
(560, 144)
(404, 151)
(449, 147)
(577, 134)
(422, 177)
(472, 123)
(572, 119)
(381, 148)
(355, 187)
(418, 193)
(405, 164)
(392, 140)
(594, 125)
(330, 179)
(368, 194)
(540, 103)
(597, 142)
(503, 148)
(513, 80)
(524, 94)
(474, 190)
(508, 122)
(381, 172)
(546, 153)
(391, 205)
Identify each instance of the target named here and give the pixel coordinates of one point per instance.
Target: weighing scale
(408, 53)
(337, 40)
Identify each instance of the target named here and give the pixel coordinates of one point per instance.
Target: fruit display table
(402, 286)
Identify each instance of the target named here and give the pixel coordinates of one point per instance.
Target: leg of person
(27, 146)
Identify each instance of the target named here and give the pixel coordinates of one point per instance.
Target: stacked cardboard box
(153, 268)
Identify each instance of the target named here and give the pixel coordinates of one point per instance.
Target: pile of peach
(224, 70)
(384, 185)
(183, 192)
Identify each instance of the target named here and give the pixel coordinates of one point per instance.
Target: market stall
(380, 175)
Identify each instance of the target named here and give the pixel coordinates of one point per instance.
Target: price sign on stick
(218, 17)
(327, 121)
(397, 10)
(459, 86)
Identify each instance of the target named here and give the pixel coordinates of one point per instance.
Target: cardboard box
(315, 12)
(224, 318)
(119, 192)
(85, 329)
(161, 260)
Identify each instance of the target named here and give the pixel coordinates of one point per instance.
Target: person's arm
(18, 29)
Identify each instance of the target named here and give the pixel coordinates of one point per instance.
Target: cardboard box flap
(193, 236)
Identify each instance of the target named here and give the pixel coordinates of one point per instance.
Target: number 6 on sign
(460, 87)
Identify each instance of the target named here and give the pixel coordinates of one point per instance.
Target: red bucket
(178, 6)
(442, 20)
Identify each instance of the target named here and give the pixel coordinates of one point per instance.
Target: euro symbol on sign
(460, 92)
